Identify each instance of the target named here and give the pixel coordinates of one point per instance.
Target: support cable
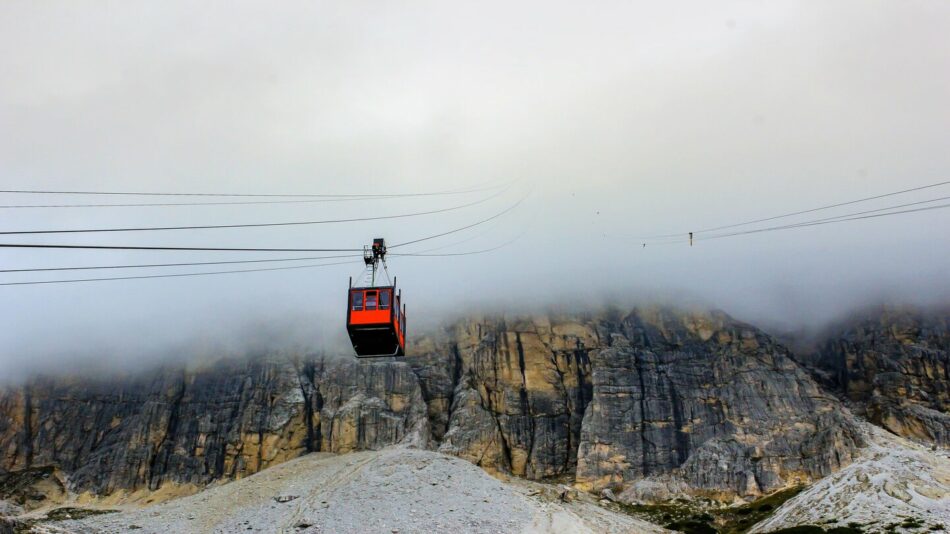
(456, 230)
(176, 275)
(253, 225)
(251, 249)
(823, 222)
(183, 264)
(256, 195)
(865, 199)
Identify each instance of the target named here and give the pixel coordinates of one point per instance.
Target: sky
(608, 121)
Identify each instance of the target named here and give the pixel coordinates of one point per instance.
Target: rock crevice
(652, 403)
(227, 420)
(894, 364)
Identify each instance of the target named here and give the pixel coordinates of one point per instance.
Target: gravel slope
(396, 490)
(895, 481)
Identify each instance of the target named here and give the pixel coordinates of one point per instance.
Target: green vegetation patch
(17, 486)
(31, 526)
(739, 519)
(802, 529)
(66, 513)
(692, 527)
(691, 518)
(674, 512)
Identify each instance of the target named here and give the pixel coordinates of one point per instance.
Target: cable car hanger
(376, 314)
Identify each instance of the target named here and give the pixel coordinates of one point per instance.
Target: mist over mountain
(665, 267)
(622, 123)
(651, 403)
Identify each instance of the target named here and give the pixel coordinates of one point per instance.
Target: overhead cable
(253, 225)
(247, 249)
(163, 204)
(811, 210)
(175, 275)
(456, 230)
(823, 222)
(256, 195)
(184, 264)
(466, 253)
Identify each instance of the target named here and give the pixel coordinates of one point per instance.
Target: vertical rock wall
(653, 402)
(228, 420)
(700, 403)
(895, 364)
(520, 392)
(685, 402)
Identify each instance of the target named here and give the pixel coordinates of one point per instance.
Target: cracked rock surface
(191, 427)
(655, 401)
(894, 363)
(651, 403)
(708, 405)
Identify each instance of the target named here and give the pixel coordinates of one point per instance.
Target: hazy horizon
(618, 120)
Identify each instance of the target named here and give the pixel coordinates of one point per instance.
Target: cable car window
(357, 301)
(370, 300)
(384, 300)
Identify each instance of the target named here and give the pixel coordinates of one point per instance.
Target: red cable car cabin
(376, 321)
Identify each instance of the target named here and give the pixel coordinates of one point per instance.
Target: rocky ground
(687, 417)
(896, 486)
(389, 491)
(702, 400)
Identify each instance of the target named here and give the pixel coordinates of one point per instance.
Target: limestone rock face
(228, 420)
(521, 388)
(651, 403)
(705, 403)
(366, 406)
(895, 363)
(695, 402)
(435, 362)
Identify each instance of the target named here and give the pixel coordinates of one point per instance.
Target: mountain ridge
(651, 403)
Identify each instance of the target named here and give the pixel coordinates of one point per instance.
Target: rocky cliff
(702, 403)
(226, 420)
(516, 393)
(650, 402)
(655, 401)
(894, 364)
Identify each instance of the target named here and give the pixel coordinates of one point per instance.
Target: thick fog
(618, 120)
